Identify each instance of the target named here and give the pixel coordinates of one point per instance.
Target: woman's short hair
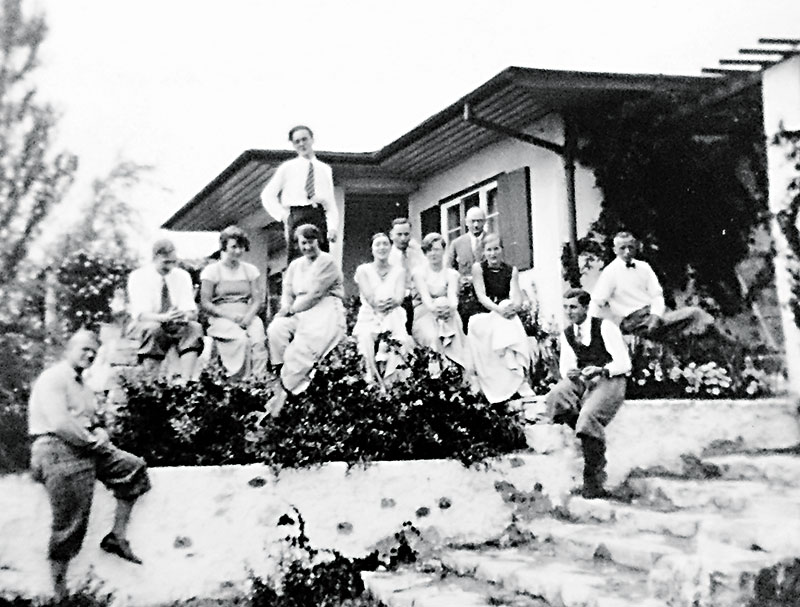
(377, 235)
(490, 236)
(308, 231)
(430, 240)
(236, 234)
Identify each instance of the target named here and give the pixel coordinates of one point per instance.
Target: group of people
(461, 301)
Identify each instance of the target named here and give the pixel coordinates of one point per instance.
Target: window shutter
(430, 220)
(514, 210)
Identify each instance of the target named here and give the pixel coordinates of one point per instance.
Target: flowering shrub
(86, 286)
(657, 373)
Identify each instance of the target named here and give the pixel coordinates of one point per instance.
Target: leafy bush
(342, 418)
(183, 425)
(339, 418)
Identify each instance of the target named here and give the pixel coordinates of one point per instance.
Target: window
(454, 210)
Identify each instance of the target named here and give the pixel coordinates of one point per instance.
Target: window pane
(491, 202)
(473, 200)
(453, 218)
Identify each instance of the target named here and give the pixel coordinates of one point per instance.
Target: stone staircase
(690, 535)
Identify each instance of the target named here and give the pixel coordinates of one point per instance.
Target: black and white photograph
(434, 303)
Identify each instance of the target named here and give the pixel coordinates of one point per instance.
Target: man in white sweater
(629, 293)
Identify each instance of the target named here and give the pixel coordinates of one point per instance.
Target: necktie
(166, 302)
(310, 181)
(478, 249)
(578, 335)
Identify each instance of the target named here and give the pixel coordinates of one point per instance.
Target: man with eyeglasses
(301, 192)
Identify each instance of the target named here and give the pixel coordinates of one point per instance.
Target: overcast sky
(187, 85)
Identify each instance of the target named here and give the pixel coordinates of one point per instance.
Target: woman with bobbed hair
(497, 339)
(311, 321)
(381, 288)
(436, 321)
(231, 294)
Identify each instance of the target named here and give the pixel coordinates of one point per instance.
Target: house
(505, 146)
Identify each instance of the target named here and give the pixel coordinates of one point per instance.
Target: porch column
(781, 98)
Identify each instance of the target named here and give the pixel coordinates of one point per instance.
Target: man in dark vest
(594, 364)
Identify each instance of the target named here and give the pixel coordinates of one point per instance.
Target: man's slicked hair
(401, 221)
(581, 295)
(299, 127)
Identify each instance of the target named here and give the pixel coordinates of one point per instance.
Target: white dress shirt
(413, 259)
(144, 291)
(61, 405)
(614, 343)
(287, 188)
(621, 290)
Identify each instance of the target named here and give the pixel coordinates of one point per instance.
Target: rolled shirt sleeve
(657, 305)
(615, 345)
(138, 294)
(567, 360)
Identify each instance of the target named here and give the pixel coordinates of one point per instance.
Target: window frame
(459, 199)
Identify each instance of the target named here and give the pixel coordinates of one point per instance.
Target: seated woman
(436, 321)
(311, 321)
(231, 294)
(381, 288)
(497, 339)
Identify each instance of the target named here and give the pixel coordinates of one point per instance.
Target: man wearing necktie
(594, 362)
(461, 254)
(407, 253)
(629, 293)
(301, 192)
(163, 311)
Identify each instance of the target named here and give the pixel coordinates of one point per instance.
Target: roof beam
(727, 71)
(791, 41)
(758, 62)
(470, 117)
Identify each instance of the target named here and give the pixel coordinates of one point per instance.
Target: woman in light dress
(231, 295)
(381, 288)
(436, 321)
(497, 339)
(311, 321)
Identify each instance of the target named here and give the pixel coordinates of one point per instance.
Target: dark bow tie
(630, 264)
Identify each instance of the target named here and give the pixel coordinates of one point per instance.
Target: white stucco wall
(548, 200)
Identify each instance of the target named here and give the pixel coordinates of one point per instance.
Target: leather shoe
(119, 547)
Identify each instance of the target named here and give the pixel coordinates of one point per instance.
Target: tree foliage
(691, 186)
(32, 177)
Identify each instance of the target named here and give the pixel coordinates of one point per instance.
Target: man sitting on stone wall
(628, 292)
(163, 311)
(594, 363)
(70, 451)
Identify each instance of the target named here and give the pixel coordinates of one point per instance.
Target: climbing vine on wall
(787, 218)
(689, 182)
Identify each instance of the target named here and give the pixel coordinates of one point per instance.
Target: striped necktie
(310, 181)
(166, 301)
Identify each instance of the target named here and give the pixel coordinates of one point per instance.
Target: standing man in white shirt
(628, 292)
(406, 253)
(163, 311)
(301, 192)
(594, 363)
(461, 254)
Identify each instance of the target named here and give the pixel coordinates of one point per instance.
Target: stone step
(717, 575)
(772, 468)
(588, 542)
(772, 527)
(560, 581)
(414, 589)
(719, 495)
